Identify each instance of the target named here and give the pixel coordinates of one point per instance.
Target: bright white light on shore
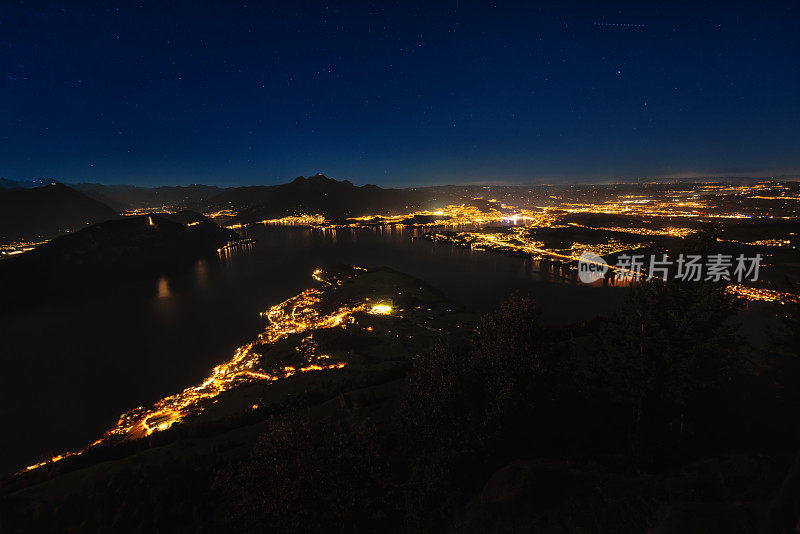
(381, 309)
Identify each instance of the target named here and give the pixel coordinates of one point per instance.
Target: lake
(72, 368)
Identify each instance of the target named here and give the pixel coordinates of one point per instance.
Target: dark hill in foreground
(118, 250)
(656, 418)
(43, 212)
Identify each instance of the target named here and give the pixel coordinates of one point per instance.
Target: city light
(297, 315)
(381, 309)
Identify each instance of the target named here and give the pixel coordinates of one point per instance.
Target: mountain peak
(58, 186)
(320, 179)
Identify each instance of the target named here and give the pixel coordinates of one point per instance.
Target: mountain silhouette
(44, 212)
(319, 194)
(113, 253)
(126, 197)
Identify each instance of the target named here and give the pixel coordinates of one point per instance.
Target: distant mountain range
(44, 212)
(130, 197)
(315, 194)
(27, 184)
(40, 213)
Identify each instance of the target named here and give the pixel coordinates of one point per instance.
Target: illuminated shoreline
(296, 315)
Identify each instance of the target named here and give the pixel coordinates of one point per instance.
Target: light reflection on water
(201, 275)
(476, 278)
(162, 288)
(132, 350)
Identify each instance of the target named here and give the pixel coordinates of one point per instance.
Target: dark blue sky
(393, 94)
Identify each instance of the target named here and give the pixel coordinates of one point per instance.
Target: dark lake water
(71, 369)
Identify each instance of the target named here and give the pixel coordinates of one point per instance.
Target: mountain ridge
(41, 213)
(335, 199)
(115, 252)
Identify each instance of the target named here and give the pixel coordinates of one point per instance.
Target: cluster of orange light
(450, 215)
(221, 213)
(297, 220)
(147, 211)
(764, 295)
(18, 247)
(601, 249)
(514, 241)
(517, 241)
(761, 242)
(644, 208)
(235, 244)
(670, 231)
(295, 315)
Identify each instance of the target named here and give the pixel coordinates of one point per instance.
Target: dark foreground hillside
(111, 254)
(658, 418)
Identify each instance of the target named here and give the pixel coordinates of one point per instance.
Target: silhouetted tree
(666, 345)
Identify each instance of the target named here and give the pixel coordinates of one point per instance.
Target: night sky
(396, 94)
